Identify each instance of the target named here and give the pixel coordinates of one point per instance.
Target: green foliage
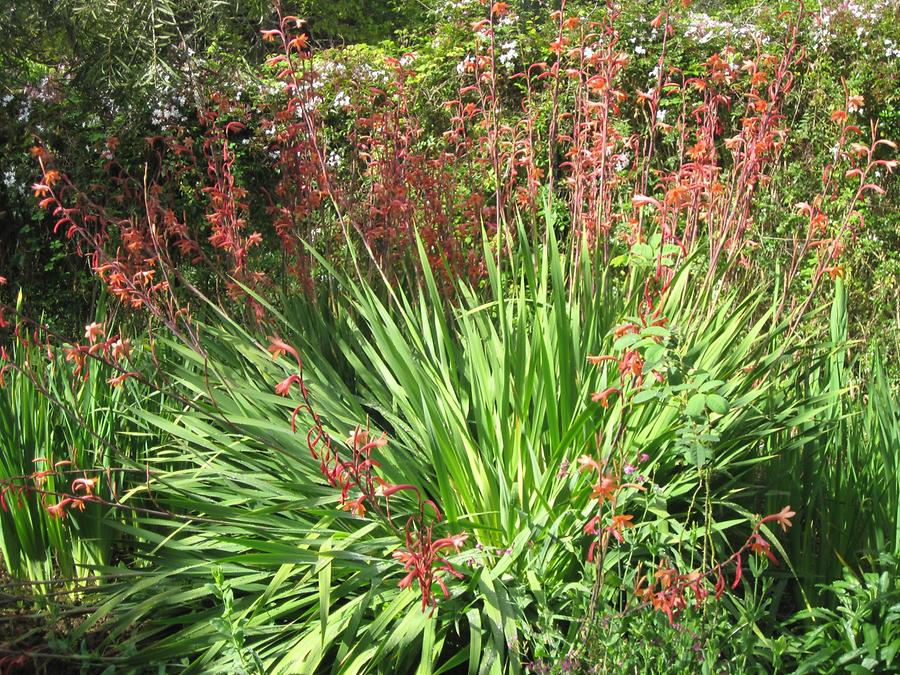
(48, 417)
(861, 634)
(115, 44)
(485, 403)
(236, 556)
(843, 476)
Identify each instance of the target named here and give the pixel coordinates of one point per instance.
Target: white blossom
(465, 65)
(509, 53)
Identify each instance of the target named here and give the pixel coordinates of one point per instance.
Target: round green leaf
(718, 404)
(696, 405)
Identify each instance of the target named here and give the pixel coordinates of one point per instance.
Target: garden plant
(489, 337)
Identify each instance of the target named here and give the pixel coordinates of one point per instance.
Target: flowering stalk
(667, 591)
(362, 491)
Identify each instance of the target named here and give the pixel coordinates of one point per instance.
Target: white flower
(465, 65)
(311, 103)
(660, 115)
(341, 100)
(639, 50)
(509, 54)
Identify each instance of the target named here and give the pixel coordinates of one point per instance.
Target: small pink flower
(629, 469)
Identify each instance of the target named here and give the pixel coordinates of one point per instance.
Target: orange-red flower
(761, 547)
(783, 518)
(602, 397)
(58, 510)
(588, 463)
(86, 485)
(93, 331)
(620, 523)
(356, 506)
(119, 379)
(278, 348)
(121, 348)
(625, 328)
(283, 388)
(455, 542)
(499, 8)
(605, 488)
(835, 271)
(40, 189)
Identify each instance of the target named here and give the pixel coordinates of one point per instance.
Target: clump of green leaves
(861, 632)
